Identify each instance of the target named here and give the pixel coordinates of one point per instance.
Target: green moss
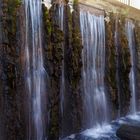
(125, 66)
(11, 68)
(54, 38)
(12, 11)
(120, 56)
(111, 62)
(76, 66)
(137, 39)
(47, 22)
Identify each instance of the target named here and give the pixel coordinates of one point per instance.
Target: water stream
(93, 57)
(62, 87)
(94, 97)
(34, 69)
(61, 25)
(131, 43)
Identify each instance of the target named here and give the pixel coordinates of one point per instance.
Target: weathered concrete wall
(112, 6)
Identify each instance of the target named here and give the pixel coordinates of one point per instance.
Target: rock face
(70, 122)
(117, 64)
(73, 49)
(124, 67)
(137, 35)
(111, 65)
(128, 132)
(12, 121)
(53, 55)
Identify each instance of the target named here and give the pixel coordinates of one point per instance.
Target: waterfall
(61, 26)
(131, 43)
(34, 70)
(93, 57)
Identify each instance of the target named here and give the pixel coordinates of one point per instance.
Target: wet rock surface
(111, 64)
(53, 56)
(12, 92)
(117, 64)
(137, 35)
(129, 132)
(12, 123)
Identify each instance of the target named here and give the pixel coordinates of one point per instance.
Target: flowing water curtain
(61, 26)
(34, 69)
(132, 76)
(93, 57)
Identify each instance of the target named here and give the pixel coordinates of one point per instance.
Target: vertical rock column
(124, 67)
(137, 37)
(1, 81)
(73, 63)
(117, 65)
(53, 62)
(111, 67)
(53, 52)
(76, 65)
(12, 112)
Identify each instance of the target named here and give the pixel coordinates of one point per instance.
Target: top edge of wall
(93, 10)
(110, 6)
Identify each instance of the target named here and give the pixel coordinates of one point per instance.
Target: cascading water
(34, 70)
(93, 72)
(131, 43)
(94, 97)
(61, 25)
(62, 88)
(93, 57)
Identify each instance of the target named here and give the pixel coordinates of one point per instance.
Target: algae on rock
(13, 122)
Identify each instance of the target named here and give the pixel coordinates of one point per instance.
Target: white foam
(47, 3)
(98, 131)
(134, 117)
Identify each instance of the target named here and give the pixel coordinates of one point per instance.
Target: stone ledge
(112, 6)
(129, 132)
